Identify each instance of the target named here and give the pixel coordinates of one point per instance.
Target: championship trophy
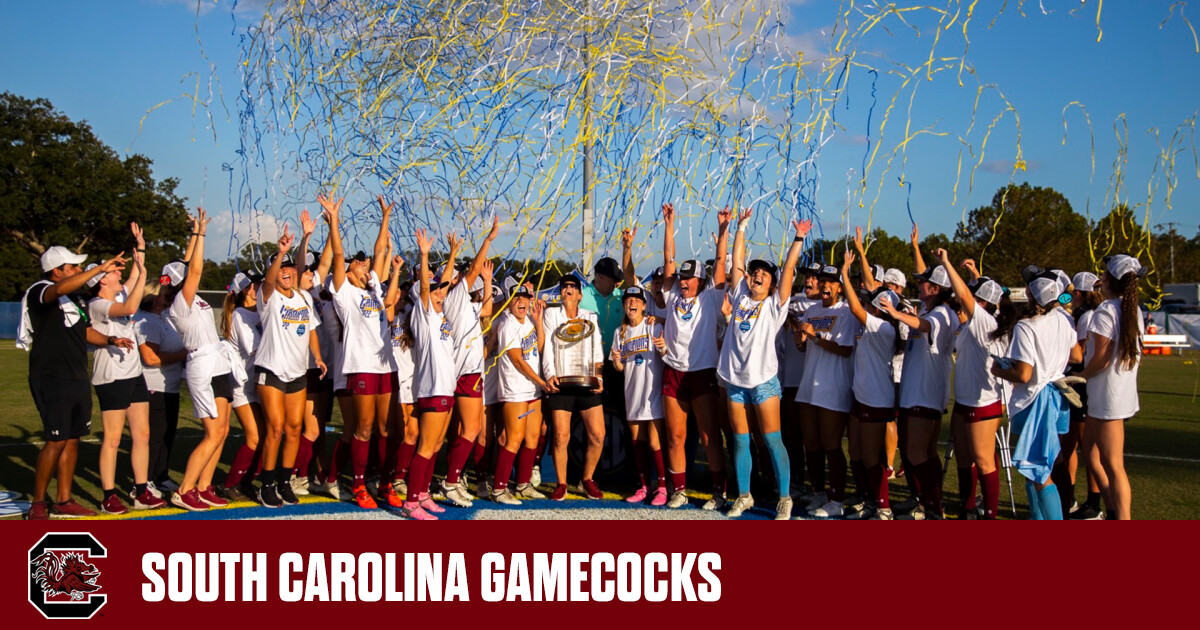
(574, 353)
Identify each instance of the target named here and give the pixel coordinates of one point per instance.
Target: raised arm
(489, 305)
(137, 277)
(392, 298)
(918, 261)
(324, 263)
(870, 282)
(379, 254)
(723, 219)
(912, 321)
(856, 306)
(133, 295)
(330, 210)
(423, 244)
(956, 282)
(191, 283)
(67, 286)
(627, 235)
(455, 247)
(307, 227)
(272, 276)
(481, 255)
(191, 246)
(739, 248)
(793, 257)
(668, 211)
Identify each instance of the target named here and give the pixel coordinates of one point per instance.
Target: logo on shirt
(745, 316)
(823, 324)
(684, 308)
(297, 316)
(446, 329)
(201, 304)
(635, 347)
(369, 306)
(529, 346)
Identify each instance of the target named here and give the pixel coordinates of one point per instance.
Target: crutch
(1006, 458)
(949, 456)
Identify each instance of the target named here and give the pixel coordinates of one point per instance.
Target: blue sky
(110, 62)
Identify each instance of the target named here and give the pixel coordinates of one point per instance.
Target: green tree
(60, 185)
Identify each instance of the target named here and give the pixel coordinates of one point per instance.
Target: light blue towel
(1039, 426)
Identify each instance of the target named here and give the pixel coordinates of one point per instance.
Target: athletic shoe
(717, 502)
(865, 514)
(414, 511)
(113, 505)
(189, 501)
(740, 505)
(637, 497)
(1074, 506)
(831, 509)
(363, 498)
(38, 511)
(166, 486)
(456, 496)
(300, 486)
(803, 495)
(529, 491)
(209, 496)
(678, 500)
(660, 497)
(504, 497)
(907, 505)
(331, 488)
(147, 501)
(854, 503)
(917, 513)
(783, 509)
(239, 493)
(819, 499)
(389, 495)
(286, 494)
(372, 484)
(1086, 513)
(154, 489)
(483, 488)
(437, 486)
(590, 490)
(967, 515)
(400, 486)
(268, 496)
(883, 514)
(70, 509)
(428, 504)
(560, 492)
(536, 477)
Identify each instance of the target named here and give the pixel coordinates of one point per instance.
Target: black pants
(164, 419)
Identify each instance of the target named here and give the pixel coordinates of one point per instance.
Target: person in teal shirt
(603, 297)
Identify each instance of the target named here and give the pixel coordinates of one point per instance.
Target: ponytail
(231, 302)
(1130, 349)
(1006, 319)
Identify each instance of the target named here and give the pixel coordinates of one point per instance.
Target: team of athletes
(456, 357)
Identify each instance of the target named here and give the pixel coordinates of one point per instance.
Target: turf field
(1162, 451)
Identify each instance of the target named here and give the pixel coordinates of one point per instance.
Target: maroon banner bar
(682, 573)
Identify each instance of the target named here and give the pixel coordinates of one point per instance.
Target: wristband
(141, 249)
(108, 341)
(798, 239)
(197, 234)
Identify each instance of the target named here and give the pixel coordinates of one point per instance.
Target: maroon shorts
(469, 386)
(366, 384)
(863, 413)
(978, 414)
(688, 385)
(435, 404)
(926, 413)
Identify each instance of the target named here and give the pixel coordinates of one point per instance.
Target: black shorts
(222, 386)
(267, 378)
(119, 395)
(571, 399)
(65, 406)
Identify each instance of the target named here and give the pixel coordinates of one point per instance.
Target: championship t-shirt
(113, 363)
(974, 384)
(643, 370)
(928, 361)
(404, 354)
(1045, 343)
(691, 329)
(463, 315)
(791, 358)
(435, 372)
(512, 385)
(286, 324)
(873, 354)
(364, 328)
(828, 377)
(748, 355)
(152, 329)
(1112, 394)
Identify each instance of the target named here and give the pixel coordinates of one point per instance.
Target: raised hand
(942, 255)
(423, 242)
(627, 235)
(397, 263)
(307, 225)
(668, 211)
(330, 206)
(847, 260)
(116, 263)
(385, 208)
(724, 218)
(969, 265)
(537, 308)
(660, 342)
(916, 236)
(495, 231)
(858, 240)
(201, 221)
(745, 215)
(454, 242)
(285, 240)
(802, 228)
(138, 236)
(487, 270)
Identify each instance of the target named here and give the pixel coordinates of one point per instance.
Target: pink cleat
(429, 505)
(414, 511)
(637, 497)
(660, 496)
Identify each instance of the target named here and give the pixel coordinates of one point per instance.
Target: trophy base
(589, 382)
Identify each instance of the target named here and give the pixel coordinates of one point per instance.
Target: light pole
(589, 187)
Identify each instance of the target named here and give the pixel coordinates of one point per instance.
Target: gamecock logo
(63, 582)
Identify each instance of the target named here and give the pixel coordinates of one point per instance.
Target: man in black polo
(55, 330)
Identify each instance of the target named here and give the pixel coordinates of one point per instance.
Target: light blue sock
(780, 462)
(1051, 503)
(742, 462)
(1031, 493)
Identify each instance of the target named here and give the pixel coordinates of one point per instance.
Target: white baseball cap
(58, 256)
(894, 276)
(1045, 289)
(1118, 266)
(935, 275)
(94, 280)
(173, 273)
(1063, 279)
(239, 284)
(989, 291)
(1085, 281)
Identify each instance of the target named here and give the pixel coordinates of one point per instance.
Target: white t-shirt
(791, 358)
(512, 385)
(873, 354)
(405, 358)
(434, 340)
(974, 384)
(113, 363)
(829, 378)
(286, 324)
(928, 360)
(552, 318)
(1083, 324)
(245, 333)
(691, 329)
(326, 340)
(1045, 343)
(195, 323)
(748, 355)
(152, 329)
(365, 328)
(643, 370)
(468, 335)
(1112, 394)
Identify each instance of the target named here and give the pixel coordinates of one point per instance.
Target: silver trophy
(573, 353)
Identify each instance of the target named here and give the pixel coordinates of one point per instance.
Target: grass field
(1162, 442)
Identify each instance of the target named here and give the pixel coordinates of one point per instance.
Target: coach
(603, 298)
(55, 330)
